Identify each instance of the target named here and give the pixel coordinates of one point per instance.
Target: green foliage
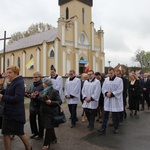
(32, 30)
(143, 58)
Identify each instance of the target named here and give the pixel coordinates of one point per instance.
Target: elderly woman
(14, 111)
(134, 94)
(50, 100)
(37, 86)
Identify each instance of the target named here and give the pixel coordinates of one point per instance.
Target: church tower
(80, 44)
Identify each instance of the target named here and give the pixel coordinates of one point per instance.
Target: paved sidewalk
(134, 134)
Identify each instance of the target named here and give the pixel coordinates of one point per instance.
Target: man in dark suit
(145, 84)
(125, 87)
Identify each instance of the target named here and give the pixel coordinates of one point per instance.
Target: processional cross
(4, 39)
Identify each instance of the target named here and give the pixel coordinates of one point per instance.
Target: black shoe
(115, 131)
(76, 120)
(91, 128)
(125, 115)
(102, 130)
(12, 137)
(54, 141)
(38, 138)
(72, 126)
(131, 113)
(33, 136)
(111, 124)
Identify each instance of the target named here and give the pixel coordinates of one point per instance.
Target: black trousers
(116, 119)
(73, 113)
(36, 128)
(49, 136)
(145, 97)
(90, 114)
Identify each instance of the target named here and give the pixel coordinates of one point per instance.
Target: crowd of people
(100, 96)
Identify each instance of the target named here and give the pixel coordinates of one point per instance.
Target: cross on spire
(4, 39)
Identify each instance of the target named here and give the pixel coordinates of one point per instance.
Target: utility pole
(4, 39)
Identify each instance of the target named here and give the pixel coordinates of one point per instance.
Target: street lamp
(109, 63)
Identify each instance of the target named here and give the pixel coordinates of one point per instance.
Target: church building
(74, 44)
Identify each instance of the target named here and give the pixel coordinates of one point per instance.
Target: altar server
(113, 100)
(72, 94)
(57, 82)
(91, 93)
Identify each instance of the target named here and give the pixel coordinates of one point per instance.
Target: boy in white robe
(113, 100)
(72, 94)
(91, 92)
(57, 82)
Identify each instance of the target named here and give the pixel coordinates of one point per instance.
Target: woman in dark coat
(134, 94)
(50, 100)
(100, 109)
(14, 111)
(34, 109)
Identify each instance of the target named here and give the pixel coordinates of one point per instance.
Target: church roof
(37, 39)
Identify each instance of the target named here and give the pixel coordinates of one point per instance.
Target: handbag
(59, 117)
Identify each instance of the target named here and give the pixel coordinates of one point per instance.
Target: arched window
(83, 16)
(31, 56)
(8, 63)
(52, 53)
(81, 58)
(32, 63)
(19, 62)
(67, 13)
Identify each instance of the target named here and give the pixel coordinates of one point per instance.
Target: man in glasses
(91, 92)
(113, 100)
(72, 94)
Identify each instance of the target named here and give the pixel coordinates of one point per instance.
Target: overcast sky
(126, 23)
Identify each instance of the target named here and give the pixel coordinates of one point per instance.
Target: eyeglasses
(90, 74)
(35, 77)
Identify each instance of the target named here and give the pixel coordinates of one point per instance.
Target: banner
(30, 63)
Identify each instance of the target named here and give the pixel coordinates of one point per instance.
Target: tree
(15, 37)
(142, 57)
(32, 30)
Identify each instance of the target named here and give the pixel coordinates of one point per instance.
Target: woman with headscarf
(50, 100)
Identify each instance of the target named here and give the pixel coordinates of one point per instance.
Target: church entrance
(82, 64)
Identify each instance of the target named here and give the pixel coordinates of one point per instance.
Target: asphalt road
(134, 134)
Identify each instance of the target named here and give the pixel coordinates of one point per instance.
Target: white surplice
(91, 90)
(58, 85)
(73, 87)
(113, 104)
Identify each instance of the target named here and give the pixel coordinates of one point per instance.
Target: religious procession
(103, 98)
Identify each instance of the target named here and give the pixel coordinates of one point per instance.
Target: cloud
(125, 23)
